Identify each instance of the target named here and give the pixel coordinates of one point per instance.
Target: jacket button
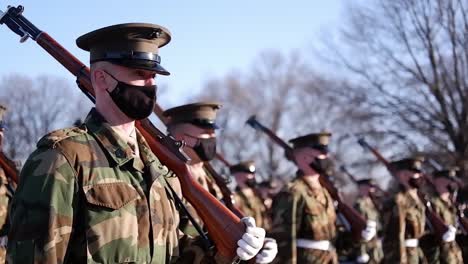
(119, 153)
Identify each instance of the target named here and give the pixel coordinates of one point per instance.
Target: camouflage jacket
(252, 205)
(447, 211)
(444, 252)
(373, 248)
(297, 213)
(204, 178)
(406, 220)
(5, 197)
(84, 198)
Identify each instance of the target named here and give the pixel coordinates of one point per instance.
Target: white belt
(411, 242)
(313, 244)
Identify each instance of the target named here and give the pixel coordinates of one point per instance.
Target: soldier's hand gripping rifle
(224, 227)
(462, 218)
(354, 218)
(438, 225)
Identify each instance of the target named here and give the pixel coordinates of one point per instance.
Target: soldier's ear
(104, 81)
(99, 79)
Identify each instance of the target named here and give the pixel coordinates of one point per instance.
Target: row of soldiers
(96, 193)
(303, 219)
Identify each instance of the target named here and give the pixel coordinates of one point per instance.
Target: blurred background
(394, 72)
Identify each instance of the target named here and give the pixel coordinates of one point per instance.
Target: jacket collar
(117, 149)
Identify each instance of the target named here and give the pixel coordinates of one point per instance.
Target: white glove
(3, 241)
(370, 231)
(252, 240)
(449, 236)
(363, 258)
(268, 252)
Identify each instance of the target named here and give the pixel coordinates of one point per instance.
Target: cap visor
(144, 65)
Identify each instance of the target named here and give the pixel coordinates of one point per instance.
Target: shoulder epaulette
(54, 137)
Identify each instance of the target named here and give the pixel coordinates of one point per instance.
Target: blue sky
(209, 38)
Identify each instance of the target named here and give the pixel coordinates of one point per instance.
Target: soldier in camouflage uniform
(371, 251)
(5, 195)
(303, 212)
(405, 222)
(195, 125)
(462, 206)
(446, 251)
(246, 197)
(268, 190)
(96, 193)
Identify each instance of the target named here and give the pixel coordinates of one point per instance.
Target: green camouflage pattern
(5, 198)
(444, 252)
(405, 220)
(195, 252)
(252, 205)
(300, 212)
(368, 210)
(462, 241)
(84, 198)
(204, 178)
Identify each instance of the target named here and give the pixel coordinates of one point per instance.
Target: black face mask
(251, 183)
(136, 102)
(416, 182)
(322, 166)
(452, 188)
(206, 148)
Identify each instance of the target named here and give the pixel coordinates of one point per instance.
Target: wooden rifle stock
(460, 215)
(438, 225)
(9, 167)
(224, 227)
(355, 219)
(253, 122)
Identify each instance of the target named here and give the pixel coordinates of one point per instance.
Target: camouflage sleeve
(5, 199)
(359, 206)
(287, 219)
(437, 207)
(394, 242)
(191, 248)
(42, 209)
(239, 203)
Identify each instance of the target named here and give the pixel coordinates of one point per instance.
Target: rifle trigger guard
(24, 37)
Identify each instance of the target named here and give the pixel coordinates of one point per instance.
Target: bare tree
(290, 98)
(36, 107)
(411, 59)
